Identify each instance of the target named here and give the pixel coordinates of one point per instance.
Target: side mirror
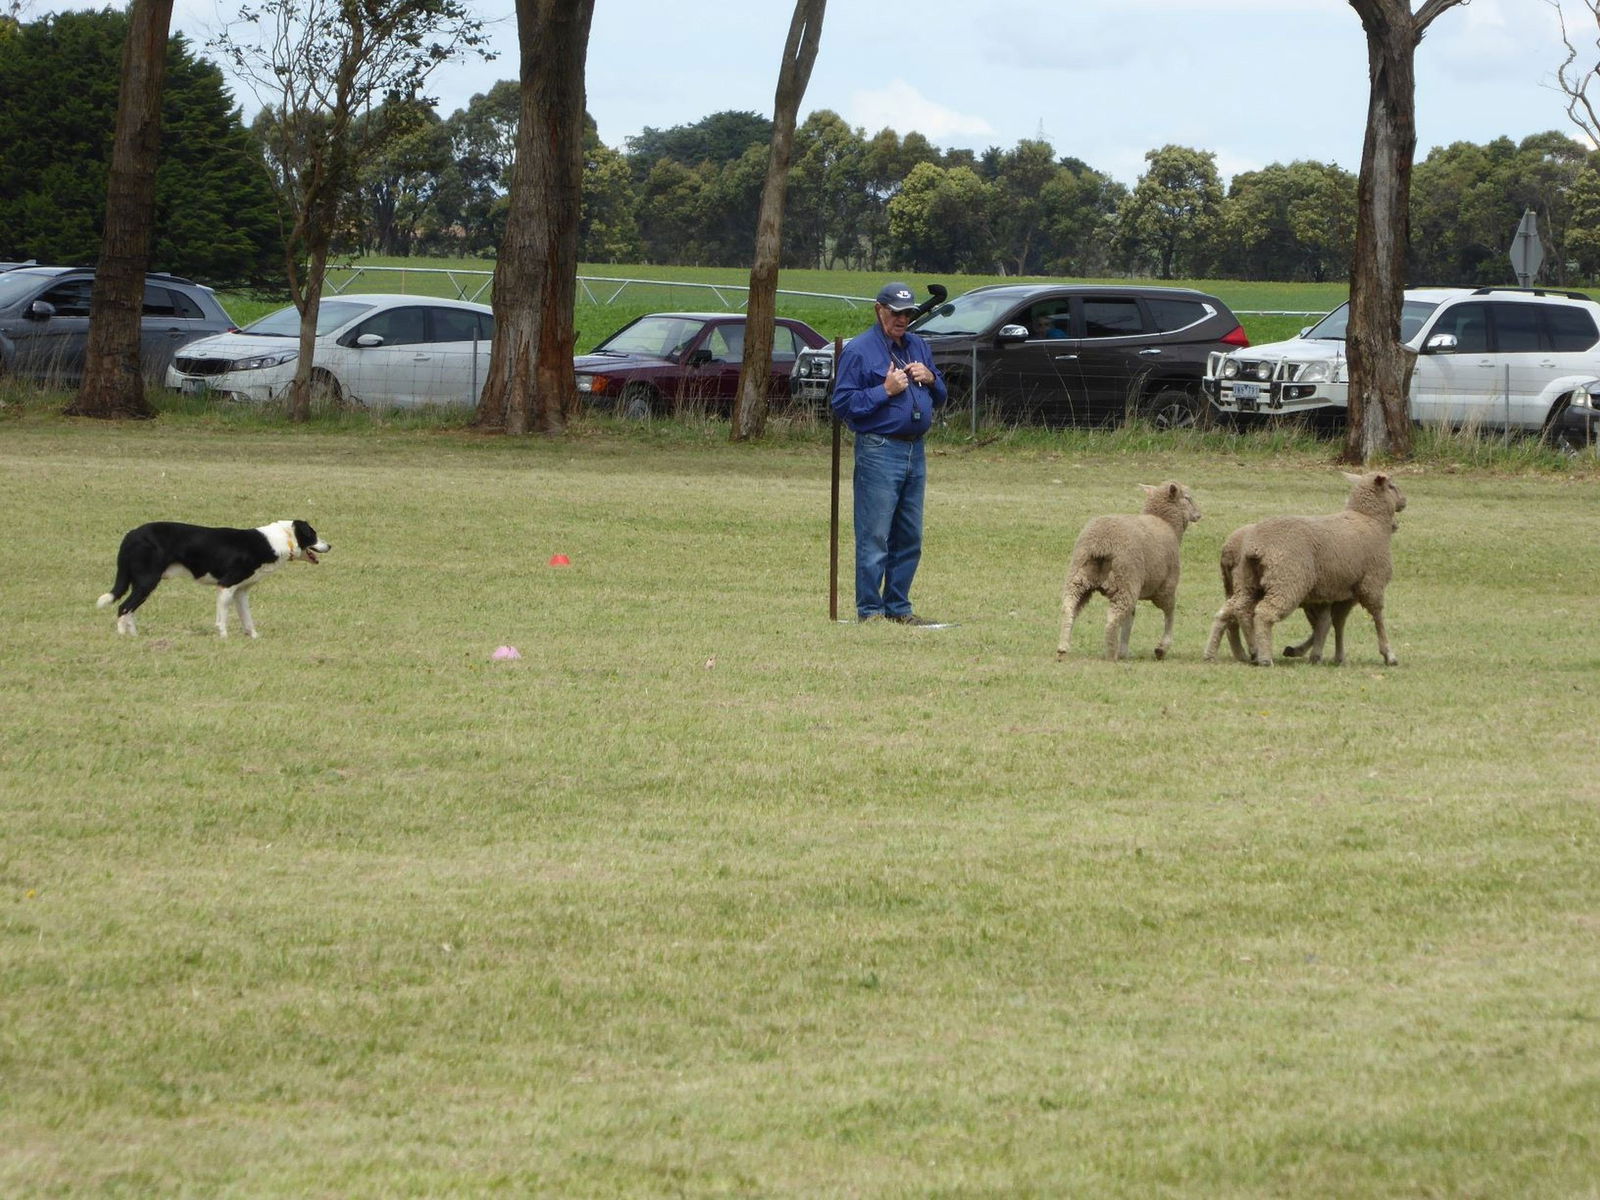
(1440, 341)
(41, 310)
(700, 357)
(1012, 333)
(1304, 329)
(370, 339)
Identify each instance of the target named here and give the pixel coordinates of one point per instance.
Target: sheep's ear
(1150, 489)
(1173, 491)
(1380, 480)
(1350, 477)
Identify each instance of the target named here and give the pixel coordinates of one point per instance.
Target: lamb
(1229, 559)
(1127, 558)
(1326, 564)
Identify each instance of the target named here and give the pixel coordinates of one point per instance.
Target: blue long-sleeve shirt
(858, 396)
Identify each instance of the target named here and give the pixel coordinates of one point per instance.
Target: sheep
(1326, 564)
(1127, 558)
(1229, 559)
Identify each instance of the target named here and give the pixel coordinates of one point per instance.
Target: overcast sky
(1253, 81)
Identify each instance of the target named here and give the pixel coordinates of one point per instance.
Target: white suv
(1494, 358)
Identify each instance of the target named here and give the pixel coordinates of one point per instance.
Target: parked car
(44, 321)
(382, 351)
(1069, 354)
(1492, 357)
(662, 361)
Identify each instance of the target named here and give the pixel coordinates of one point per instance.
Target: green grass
(707, 895)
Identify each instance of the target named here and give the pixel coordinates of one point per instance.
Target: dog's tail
(117, 589)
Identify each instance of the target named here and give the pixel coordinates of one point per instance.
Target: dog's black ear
(304, 534)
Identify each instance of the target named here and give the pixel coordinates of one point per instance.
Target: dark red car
(663, 362)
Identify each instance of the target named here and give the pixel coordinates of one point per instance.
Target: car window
(188, 308)
(1570, 328)
(158, 302)
(1470, 324)
(785, 344)
(1047, 319)
(397, 326)
(1169, 315)
(1516, 328)
(655, 336)
(726, 343)
(71, 299)
(1111, 318)
(454, 325)
(330, 315)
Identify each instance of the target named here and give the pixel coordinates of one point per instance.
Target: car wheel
(636, 403)
(327, 395)
(1173, 408)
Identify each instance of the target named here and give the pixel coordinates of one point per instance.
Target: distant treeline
(688, 195)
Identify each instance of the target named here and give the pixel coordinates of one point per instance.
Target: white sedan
(382, 351)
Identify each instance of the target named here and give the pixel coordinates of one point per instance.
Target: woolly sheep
(1127, 558)
(1326, 564)
(1228, 560)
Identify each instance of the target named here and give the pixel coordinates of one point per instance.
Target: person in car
(886, 390)
(1043, 325)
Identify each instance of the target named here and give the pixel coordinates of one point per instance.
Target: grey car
(44, 322)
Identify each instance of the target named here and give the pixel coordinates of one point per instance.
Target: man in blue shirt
(886, 388)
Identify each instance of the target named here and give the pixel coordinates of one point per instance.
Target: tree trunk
(530, 383)
(113, 385)
(1378, 421)
(799, 53)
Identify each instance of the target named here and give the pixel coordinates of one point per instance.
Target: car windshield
(1332, 327)
(330, 315)
(968, 313)
(657, 337)
(16, 284)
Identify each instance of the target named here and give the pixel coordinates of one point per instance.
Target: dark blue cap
(897, 297)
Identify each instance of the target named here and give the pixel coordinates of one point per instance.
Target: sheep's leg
(1119, 624)
(1376, 609)
(1311, 648)
(1073, 601)
(1269, 611)
(1169, 609)
(1232, 617)
(1341, 610)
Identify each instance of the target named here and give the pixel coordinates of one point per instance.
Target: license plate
(1247, 391)
(194, 387)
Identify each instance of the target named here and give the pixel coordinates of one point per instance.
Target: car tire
(326, 394)
(637, 402)
(1175, 408)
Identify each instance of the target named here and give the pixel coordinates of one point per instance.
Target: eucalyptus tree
(1378, 420)
(1167, 220)
(530, 385)
(794, 72)
(323, 70)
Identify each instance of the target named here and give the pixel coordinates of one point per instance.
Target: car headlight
(1230, 368)
(1263, 371)
(261, 361)
(1314, 372)
(592, 385)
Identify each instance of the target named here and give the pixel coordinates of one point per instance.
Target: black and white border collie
(233, 559)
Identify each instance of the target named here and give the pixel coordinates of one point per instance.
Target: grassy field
(1273, 311)
(708, 895)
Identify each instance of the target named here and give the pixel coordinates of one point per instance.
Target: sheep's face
(1385, 493)
(1171, 495)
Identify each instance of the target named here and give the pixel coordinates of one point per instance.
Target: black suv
(1068, 354)
(44, 322)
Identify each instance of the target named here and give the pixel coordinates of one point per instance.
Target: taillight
(1237, 338)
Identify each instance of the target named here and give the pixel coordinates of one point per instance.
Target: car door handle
(1066, 358)
(1148, 351)
(421, 357)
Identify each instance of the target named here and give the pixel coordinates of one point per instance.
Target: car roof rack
(1532, 291)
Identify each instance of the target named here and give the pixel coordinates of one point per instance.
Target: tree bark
(113, 385)
(530, 383)
(750, 402)
(1378, 421)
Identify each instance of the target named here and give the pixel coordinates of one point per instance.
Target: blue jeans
(889, 481)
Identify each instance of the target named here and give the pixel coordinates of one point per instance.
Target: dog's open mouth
(311, 555)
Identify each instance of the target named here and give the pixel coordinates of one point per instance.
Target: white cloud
(901, 107)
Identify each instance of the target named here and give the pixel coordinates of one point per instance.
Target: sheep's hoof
(1294, 652)
(1061, 655)
(1392, 661)
(1161, 652)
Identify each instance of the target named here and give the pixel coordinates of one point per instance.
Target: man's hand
(920, 372)
(895, 381)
